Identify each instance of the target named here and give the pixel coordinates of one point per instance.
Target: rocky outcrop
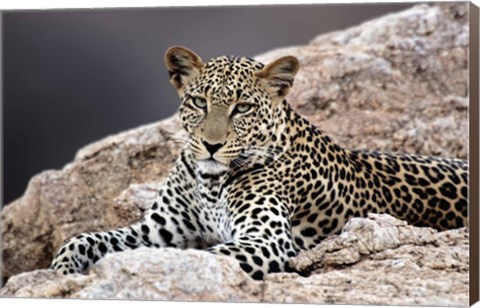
(379, 260)
(145, 273)
(396, 83)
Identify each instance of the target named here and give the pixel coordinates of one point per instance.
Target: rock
(379, 261)
(381, 232)
(393, 264)
(145, 274)
(396, 83)
(362, 237)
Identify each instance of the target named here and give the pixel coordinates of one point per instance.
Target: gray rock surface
(396, 83)
(375, 260)
(147, 274)
(381, 261)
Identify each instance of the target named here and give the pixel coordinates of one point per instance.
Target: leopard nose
(212, 148)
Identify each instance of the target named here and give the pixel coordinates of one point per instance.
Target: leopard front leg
(170, 222)
(262, 241)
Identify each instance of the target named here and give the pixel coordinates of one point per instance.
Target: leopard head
(228, 104)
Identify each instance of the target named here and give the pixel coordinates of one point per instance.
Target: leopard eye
(199, 102)
(242, 108)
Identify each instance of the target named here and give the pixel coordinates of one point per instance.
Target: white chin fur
(211, 167)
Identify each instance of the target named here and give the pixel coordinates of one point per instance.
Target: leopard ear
(278, 76)
(183, 65)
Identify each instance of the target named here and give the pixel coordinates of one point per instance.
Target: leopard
(256, 182)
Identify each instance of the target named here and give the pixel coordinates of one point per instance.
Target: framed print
(308, 154)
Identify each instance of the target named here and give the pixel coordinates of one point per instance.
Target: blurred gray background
(72, 77)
